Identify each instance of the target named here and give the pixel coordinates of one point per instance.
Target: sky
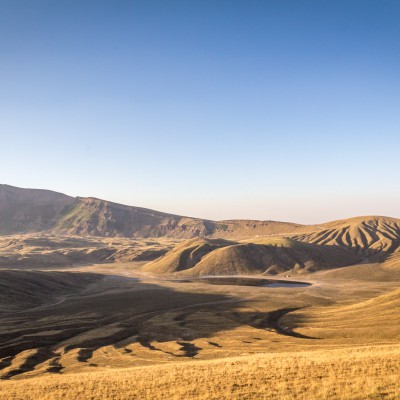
(274, 109)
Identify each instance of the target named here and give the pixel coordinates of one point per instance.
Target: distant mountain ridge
(36, 210)
(30, 210)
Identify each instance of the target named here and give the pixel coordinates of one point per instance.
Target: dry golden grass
(393, 261)
(375, 320)
(347, 373)
(185, 255)
(367, 236)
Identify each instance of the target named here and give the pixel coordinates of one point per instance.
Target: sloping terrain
(273, 257)
(392, 261)
(29, 210)
(90, 216)
(185, 255)
(21, 290)
(374, 319)
(371, 239)
(33, 210)
(366, 236)
(269, 256)
(342, 373)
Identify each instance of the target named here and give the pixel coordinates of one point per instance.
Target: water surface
(244, 281)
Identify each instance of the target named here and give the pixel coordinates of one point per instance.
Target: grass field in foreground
(345, 373)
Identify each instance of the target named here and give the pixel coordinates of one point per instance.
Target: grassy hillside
(272, 256)
(258, 256)
(366, 236)
(185, 255)
(377, 319)
(392, 261)
(347, 373)
(20, 290)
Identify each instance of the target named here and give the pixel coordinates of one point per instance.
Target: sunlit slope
(377, 319)
(270, 256)
(366, 236)
(346, 373)
(392, 261)
(185, 255)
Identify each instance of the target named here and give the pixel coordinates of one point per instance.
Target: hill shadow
(119, 312)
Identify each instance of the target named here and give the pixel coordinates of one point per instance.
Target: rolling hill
(185, 255)
(371, 320)
(202, 257)
(366, 236)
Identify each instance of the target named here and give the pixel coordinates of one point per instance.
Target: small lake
(242, 281)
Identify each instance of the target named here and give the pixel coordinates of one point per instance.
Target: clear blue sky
(272, 109)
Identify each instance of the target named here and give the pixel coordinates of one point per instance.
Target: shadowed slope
(32, 210)
(29, 210)
(27, 289)
(84, 326)
(90, 216)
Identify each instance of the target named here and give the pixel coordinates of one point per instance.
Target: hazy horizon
(281, 111)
